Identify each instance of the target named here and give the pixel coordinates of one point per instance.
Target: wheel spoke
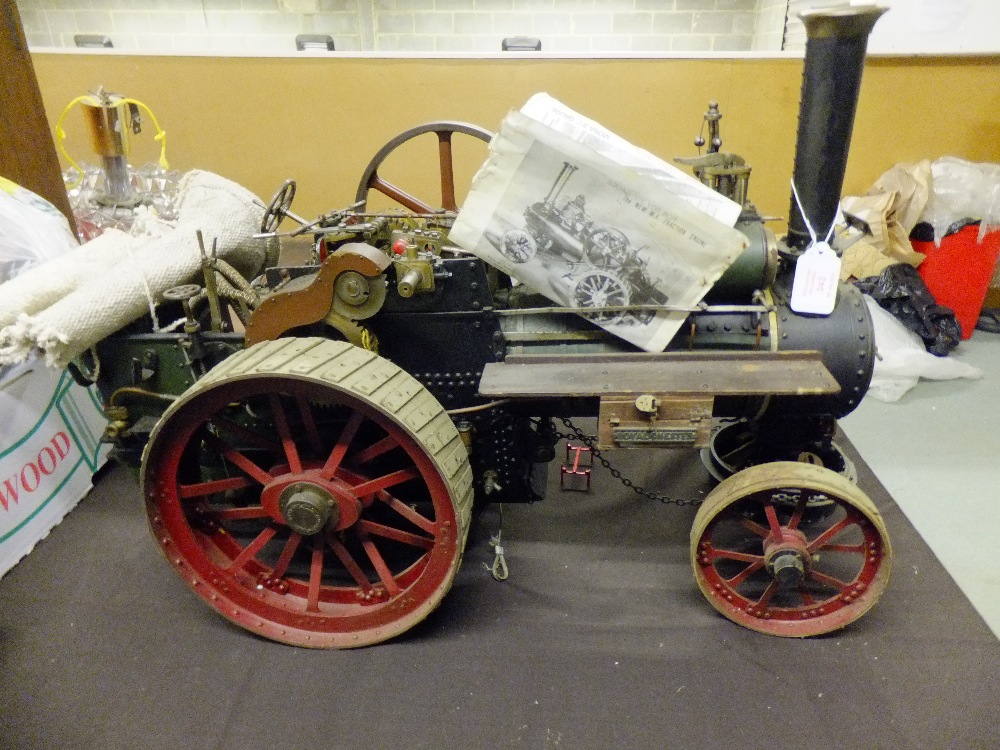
(830, 533)
(772, 521)
(309, 422)
(343, 443)
(408, 513)
(828, 580)
(374, 485)
(315, 577)
(240, 514)
(291, 544)
(347, 560)
(377, 561)
(727, 554)
(380, 448)
(754, 528)
(239, 460)
(287, 443)
(748, 571)
(444, 133)
(187, 491)
(253, 548)
(398, 535)
(800, 509)
(447, 171)
(400, 196)
(769, 592)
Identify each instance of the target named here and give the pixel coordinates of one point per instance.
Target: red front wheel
(790, 549)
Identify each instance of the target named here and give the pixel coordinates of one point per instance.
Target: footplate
(790, 373)
(658, 400)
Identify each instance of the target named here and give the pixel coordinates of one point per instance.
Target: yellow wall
(320, 120)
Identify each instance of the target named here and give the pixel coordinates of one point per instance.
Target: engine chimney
(831, 81)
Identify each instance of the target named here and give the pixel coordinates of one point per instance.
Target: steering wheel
(277, 209)
(444, 130)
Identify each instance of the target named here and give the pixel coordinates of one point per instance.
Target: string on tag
(812, 232)
(817, 272)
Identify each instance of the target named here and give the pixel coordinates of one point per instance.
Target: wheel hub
(788, 569)
(787, 558)
(307, 508)
(308, 504)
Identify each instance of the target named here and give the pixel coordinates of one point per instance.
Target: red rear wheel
(311, 492)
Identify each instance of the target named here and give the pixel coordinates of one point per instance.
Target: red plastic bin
(958, 272)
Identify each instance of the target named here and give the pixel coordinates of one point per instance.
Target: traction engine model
(312, 441)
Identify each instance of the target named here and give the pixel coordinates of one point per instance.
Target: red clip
(575, 469)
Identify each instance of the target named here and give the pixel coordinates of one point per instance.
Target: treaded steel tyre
(311, 492)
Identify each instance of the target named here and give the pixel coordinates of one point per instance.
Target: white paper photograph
(589, 233)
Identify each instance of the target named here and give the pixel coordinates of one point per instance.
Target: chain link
(591, 442)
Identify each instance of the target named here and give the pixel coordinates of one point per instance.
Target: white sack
(903, 359)
(45, 284)
(75, 304)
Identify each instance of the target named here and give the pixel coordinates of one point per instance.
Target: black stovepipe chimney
(831, 80)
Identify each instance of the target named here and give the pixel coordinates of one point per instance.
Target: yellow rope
(61, 136)
(369, 341)
(161, 134)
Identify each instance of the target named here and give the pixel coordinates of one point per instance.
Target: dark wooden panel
(27, 153)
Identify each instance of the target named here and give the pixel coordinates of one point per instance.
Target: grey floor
(937, 451)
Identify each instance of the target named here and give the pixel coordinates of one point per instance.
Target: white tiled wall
(264, 26)
(770, 24)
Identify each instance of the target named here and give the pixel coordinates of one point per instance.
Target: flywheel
(311, 492)
(766, 562)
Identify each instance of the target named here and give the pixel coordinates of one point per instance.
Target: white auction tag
(817, 273)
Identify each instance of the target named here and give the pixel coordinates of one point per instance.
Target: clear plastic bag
(32, 230)
(902, 359)
(963, 190)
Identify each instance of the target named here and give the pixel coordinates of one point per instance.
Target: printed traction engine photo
(602, 268)
(313, 432)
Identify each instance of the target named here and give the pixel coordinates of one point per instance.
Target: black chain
(591, 442)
